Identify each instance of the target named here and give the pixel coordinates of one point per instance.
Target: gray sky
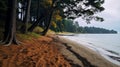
(111, 14)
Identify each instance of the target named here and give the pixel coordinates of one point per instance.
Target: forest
(70, 26)
(25, 15)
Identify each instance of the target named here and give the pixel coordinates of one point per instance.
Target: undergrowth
(29, 35)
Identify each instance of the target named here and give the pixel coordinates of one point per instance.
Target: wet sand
(81, 55)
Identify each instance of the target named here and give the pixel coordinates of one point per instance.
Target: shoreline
(50, 51)
(109, 55)
(70, 48)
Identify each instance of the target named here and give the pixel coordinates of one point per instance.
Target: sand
(50, 51)
(81, 55)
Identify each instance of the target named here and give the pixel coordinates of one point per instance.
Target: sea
(107, 45)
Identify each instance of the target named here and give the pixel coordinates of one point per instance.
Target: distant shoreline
(72, 34)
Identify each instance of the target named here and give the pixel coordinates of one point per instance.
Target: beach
(81, 55)
(50, 51)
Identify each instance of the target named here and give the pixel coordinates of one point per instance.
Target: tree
(74, 8)
(48, 21)
(3, 8)
(40, 13)
(46, 15)
(10, 25)
(27, 16)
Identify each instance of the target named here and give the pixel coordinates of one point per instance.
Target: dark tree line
(43, 13)
(95, 30)
(70, 26)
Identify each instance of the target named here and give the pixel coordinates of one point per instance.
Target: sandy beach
(50, 51)
(81, 55)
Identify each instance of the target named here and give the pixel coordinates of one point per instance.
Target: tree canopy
(67, 25)
(44, 13)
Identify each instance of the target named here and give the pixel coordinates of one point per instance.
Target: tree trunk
(38, 10)
(40, 19)
(22, 9)
(27, 17)
(21, 13)
(36, 23)
(10, 25)
(48, 21)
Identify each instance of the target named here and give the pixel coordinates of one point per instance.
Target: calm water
(105, 44)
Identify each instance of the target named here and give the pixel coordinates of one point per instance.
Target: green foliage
(86, 9)
(65, 25)
(73, 27)
(71, 9)
(97, 30)
(61, 9)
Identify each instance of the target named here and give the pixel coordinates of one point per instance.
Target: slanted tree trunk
(49, 18)
(41, 19)
(48, 21)
(27, 17)
(10, 25)
(41, 15)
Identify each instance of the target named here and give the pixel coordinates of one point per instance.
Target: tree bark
(41, 19)
(10, 25)
(47, 15)
(38, 10)
(27, 17)
(48, 21)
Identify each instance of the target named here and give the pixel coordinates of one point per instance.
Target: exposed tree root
(0, 41)
(8, 43)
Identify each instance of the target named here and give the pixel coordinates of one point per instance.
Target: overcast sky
(111, 14)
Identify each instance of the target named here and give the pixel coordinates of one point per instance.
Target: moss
(27, 36)
(34, 35)
(38, 29)
(50, 32)
(23, 36)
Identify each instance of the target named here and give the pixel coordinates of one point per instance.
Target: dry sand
(81, 55)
